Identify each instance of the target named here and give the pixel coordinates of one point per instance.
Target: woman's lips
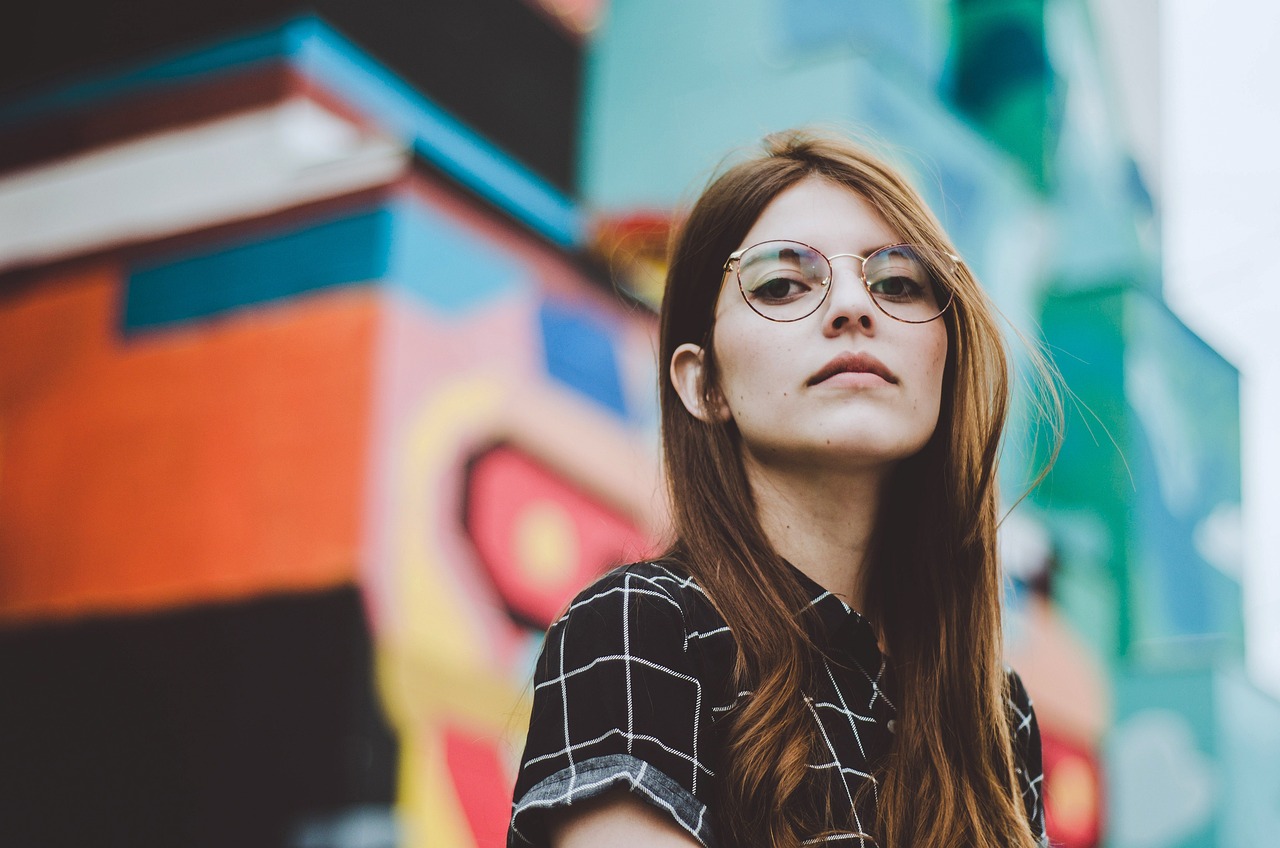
(852, 363)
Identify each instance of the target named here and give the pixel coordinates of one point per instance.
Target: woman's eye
(776, 289)
(898, 287)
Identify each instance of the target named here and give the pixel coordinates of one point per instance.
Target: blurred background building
(326, 378)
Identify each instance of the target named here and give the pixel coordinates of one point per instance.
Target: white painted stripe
(252, 163)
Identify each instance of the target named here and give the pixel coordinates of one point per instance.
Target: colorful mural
(311, 460)
(513, 460)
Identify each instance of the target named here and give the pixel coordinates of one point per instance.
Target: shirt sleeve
(1027, 756)
(617, 703)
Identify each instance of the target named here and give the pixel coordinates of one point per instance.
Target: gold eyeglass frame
(733, 263)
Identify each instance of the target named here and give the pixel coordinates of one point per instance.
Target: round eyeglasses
(788, 280)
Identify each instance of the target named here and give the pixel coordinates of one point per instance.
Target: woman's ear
(688, 376)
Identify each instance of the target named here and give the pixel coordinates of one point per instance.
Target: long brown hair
(931, 586)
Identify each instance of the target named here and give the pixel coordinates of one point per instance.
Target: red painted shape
(1073, 793)
(482, 785)
(503, 486)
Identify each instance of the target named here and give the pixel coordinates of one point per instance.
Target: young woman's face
(845, 387)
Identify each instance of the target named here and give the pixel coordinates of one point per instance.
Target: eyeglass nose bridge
(829, 284)
(861, 268)
(836, 256)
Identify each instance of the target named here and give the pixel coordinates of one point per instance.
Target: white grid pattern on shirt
(703, 632)
(626, 591)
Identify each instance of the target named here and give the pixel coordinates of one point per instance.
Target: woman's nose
(848, 301)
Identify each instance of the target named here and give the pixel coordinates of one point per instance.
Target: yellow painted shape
(431, 615)
(419, 690)
(429, 809)
(432, 670)
(546, 541)
(1073, 791)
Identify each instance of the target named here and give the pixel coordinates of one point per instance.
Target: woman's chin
(850, 455)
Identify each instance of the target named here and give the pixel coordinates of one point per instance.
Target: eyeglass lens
(786, 281)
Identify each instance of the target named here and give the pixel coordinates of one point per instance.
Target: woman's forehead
(825, 215)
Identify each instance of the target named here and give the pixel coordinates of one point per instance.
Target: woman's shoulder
(665, 575)
(622, 698)
(651, 606)
(646, 583)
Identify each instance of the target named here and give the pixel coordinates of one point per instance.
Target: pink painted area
(447, 389)
(1073, 791)
(481, 783)
(506, 489)
(422, 358)
(1068, 683)
(578, 17)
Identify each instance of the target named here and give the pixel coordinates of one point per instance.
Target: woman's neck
(819, 520)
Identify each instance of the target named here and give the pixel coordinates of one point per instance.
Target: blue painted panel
(353, 249)
(1249, 727)
(579, 353)
(896, 32)
(1160, 760)
(1183, 400)
(673, 86)
(448, 268)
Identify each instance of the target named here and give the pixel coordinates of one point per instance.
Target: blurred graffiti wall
(312, 416)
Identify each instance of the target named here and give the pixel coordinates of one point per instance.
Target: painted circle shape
(546, 541)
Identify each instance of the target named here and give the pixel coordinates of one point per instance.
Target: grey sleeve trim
(595, 777)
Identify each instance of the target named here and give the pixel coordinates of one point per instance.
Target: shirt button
(892, 725)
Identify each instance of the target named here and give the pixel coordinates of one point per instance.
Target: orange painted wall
(207, 461)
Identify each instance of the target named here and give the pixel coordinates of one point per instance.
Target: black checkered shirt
(635, 679)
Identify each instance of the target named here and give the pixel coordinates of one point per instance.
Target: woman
(818, 655)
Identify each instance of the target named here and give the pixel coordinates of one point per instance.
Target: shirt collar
(843, 628)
